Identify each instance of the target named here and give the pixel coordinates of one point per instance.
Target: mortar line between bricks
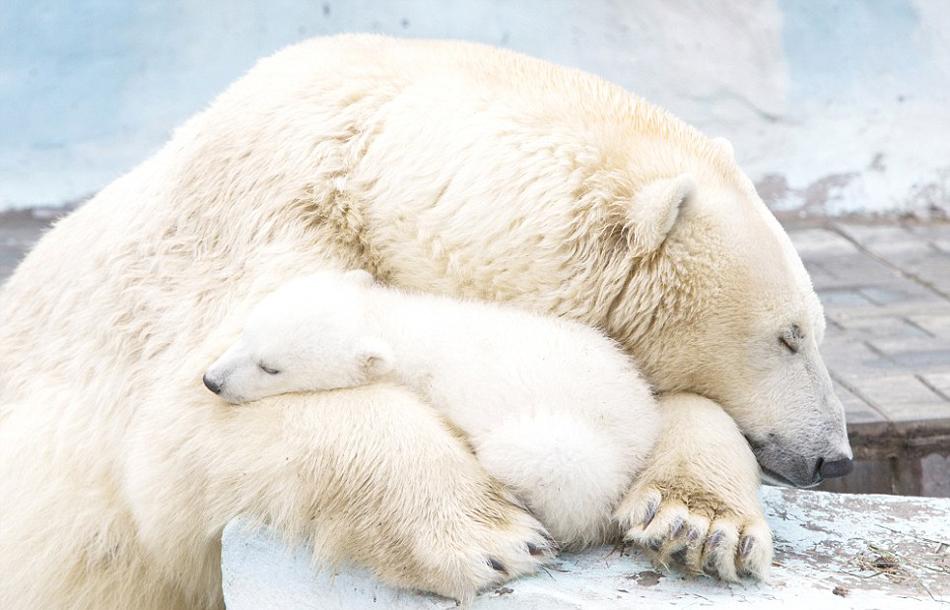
(870, 254)
(918, 327)
(931, 387)
(851, 388)
(936, 248)
(878, 352)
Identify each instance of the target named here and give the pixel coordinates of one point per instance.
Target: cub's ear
(375, 357)
(363, 278)
(654, 211)
(725, 146)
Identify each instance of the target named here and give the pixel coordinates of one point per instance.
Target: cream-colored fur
(696, 503)
(552, 408)
(439, 166)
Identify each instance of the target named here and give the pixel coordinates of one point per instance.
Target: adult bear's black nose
(211, 384)
(835, 468)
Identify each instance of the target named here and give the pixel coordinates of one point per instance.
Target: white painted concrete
(822, 541)
(834, 107)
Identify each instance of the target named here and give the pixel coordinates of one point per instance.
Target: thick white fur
(439, 166)
(696, 503)
(553, 408)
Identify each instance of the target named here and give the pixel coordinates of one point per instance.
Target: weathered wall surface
(834, 107)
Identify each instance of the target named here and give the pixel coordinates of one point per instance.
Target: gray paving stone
(847, 348)
(908, 344)
(906, 248)
(820, 243)
(923, 257)
(887, 303)
(904, 397)
(911, 308)
(931, 270)
(821, 278)
(938, 382)
(893, 237)
(859, 269)
(899, 294)
(923, 361)
(917, 413)
(882, 327)
(935, 324)
(852, 361)
(844, 298)
(931, 231)
(920, 353)
(857, 411)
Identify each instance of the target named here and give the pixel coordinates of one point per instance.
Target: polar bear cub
(553, 408)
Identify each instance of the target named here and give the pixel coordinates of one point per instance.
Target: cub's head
(310, 334)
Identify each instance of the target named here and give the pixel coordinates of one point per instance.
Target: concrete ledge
(832, 551)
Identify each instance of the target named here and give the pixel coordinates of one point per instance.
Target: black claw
(496, 565)
(552, 544)
(715, 539)
(534, 550)
(677, 527)
(679, 556)
(652, 507)
(745, 546)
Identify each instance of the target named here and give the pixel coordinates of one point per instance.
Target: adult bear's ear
(654, 211)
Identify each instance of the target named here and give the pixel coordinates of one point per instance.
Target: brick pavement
(886, 292)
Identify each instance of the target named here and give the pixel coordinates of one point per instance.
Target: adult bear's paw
(677, 523)
(695, 504)
(486, 546)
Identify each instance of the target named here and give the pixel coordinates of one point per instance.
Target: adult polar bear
(441, 166)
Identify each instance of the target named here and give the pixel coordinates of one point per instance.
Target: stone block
(820, 243)
(903, 397)
(829, 553)
(940, 383)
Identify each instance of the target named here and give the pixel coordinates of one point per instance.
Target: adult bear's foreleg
(370, 475)
(696, 501)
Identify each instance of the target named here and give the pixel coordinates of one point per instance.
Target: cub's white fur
(553, 409)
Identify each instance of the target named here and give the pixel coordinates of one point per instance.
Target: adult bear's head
(718, 302)
(641, 226)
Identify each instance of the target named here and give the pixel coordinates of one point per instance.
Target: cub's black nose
(211, 385)
(835, 468)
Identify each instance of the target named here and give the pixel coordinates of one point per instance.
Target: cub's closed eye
(267, 369)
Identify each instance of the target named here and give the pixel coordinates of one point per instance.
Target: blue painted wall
(88, 88)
